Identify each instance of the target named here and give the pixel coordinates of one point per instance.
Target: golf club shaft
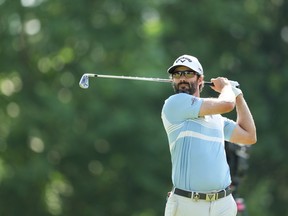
(129, 78)
(134, 78)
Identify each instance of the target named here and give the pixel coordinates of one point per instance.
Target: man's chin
(183, 90)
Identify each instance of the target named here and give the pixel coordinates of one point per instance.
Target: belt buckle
(211, 197)
(196, 196)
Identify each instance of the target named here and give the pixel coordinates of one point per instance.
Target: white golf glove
(237, 91)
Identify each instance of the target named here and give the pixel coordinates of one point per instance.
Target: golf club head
(84, 81)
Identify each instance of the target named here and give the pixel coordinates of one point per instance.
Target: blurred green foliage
(103, 151)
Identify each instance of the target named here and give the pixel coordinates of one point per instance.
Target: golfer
(196, 133)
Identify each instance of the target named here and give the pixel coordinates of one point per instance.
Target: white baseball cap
(187, 61)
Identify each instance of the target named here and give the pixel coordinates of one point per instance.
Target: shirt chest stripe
(196, 135)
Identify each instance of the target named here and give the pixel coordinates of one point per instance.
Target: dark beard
(192, 87)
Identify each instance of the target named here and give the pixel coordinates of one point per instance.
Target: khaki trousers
(182, 206)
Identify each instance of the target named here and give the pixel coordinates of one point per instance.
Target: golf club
(84, 81)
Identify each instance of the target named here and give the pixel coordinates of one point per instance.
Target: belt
(203, 196)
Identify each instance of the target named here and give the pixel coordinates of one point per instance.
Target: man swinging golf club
(196, 133)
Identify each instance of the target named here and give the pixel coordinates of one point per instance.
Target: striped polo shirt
(196, 144)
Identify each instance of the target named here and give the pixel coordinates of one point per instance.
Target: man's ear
(200, 81)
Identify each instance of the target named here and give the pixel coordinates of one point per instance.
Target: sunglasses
(187, 74)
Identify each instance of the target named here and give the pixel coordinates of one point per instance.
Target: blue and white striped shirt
(196, 144)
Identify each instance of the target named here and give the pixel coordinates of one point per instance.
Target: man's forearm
(227, 95)
(244, 117)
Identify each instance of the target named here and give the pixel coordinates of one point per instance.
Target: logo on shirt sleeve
(193, 100)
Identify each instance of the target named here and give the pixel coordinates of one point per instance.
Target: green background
(103, 151)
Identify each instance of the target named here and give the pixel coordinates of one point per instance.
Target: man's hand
(219, 83)
(237, 91)
(224, 103)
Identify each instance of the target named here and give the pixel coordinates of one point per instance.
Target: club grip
(233, 83)
(209, 83)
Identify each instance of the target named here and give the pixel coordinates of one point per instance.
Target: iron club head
(84, 81)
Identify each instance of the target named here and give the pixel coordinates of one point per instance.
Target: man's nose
(182, 77)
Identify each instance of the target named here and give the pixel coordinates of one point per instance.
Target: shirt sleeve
(229, 126)
(180, 107)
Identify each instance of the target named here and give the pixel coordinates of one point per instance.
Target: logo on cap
(183, 59)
